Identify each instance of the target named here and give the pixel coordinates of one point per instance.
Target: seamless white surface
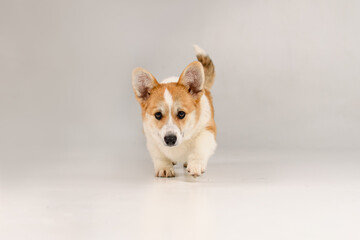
(243, 195)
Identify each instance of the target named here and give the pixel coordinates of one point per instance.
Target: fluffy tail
(208, 65)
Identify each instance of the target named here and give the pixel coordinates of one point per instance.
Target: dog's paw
(195, 169)
(165, 172)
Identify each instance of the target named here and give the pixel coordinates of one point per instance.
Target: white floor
(243, 195)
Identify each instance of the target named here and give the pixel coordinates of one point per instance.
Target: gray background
(287, 73)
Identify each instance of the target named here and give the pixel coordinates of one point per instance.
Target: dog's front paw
(165, 172)
(195, 169)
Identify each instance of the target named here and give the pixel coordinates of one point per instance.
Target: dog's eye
(181, 114)
(158, 115)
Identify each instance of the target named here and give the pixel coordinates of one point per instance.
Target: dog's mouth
(170, 146)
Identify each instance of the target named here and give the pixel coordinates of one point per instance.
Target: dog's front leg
(203, 147)
(162, 165)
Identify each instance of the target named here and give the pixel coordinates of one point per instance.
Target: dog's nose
(170, 140)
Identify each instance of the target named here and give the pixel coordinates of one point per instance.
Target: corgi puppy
(178, 116)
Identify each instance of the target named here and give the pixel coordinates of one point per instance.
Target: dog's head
(170, 111)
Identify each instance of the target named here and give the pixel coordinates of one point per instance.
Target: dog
(178, 116)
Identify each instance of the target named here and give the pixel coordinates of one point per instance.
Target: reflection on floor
(243, 195)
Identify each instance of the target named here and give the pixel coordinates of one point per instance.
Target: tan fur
(192, 88)
(195, 133)
(141, 97)
(181, 97)
(187, 102)
(211, 125)
(209, 70)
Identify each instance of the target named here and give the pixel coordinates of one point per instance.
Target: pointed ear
(143, 82)
(193, 78)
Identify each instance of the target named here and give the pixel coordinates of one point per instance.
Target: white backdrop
(287, 71)
(73, 161)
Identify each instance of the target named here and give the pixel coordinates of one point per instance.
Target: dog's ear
(143, 82)
(193, 78)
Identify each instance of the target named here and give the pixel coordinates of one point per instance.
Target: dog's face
(170, 111)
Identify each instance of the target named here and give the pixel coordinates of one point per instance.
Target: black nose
(170, 140)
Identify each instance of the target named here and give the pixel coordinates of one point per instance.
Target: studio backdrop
(287, 73)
